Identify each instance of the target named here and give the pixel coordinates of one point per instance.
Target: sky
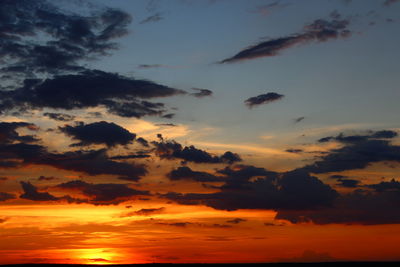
(199, 131)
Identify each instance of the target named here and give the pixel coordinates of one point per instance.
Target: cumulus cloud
(119, 95)
(174, 150)
(9, 134)
(201, 92)
(320, 30)
(103, 194)
(59, 116)
(263, 99)
(92, 162)
(101, 132)
(185, 173)
(248, 187)
(61, 39)
(42, 49)
(358, 152)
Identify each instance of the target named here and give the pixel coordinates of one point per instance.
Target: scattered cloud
(103, 194)
(185, 173)
(101, 132)
(263, 99)
(173, 150)
(201, 92)
(320, 30)
(59, 116)
(152, 18)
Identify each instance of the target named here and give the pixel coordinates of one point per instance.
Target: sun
(97, 256)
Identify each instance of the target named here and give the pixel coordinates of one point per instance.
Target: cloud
(101, 132)
(299, 119)
(390, 2)
(393, 185)
(6, 196)
(9, 134)
(384, 134)
(150, 66)
(236, 220)
(349, 183)
(174, 150)
(103, 194)
(201, 92)
(46, 178)
(119, 95)
(92, 162)
(131, 156)
(59, 116)
(31, 193)
(153, 18)
(263, 99)
(185, 173)
(144, 212)
(294, 150)
(267, 9)
(45, 38)
(358, 207)
(358, 152)
(318, 31)
(43, 54)
(248, 187)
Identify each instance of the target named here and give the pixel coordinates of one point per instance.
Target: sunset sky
(199, 131)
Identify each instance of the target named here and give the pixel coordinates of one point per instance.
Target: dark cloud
(142, 141)
(119, 95)
(299, 119)
(9, 134)
(42, 49)
(185, 173)
(153, 18)
(46, 178)
(263, 99)
(358, 152)
(144, 212)
(390, 2)
(31, 193)
(92, 162)
(6, 196)
(294, 150)
(168, 116)
(201, 92)
(39, 37)
(185, 224)
(103, 194)
(359, 207)
(350, 183)
(384, 134)
(101, 132)
(131, 156)
(150, 66)
(59, 116)
(319, 31)
(236, 220)
(256, 188)
(174, 150)
(166, 124)
(393, 185)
